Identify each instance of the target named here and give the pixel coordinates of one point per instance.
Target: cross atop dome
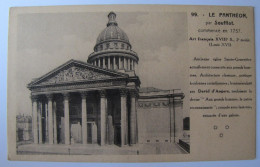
(111, 19)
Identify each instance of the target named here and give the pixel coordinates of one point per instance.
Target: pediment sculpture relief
(75, 74)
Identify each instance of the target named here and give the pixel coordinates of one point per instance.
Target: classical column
(114, 62)
(103, 111)
(120, 62)
(40, 120)
(108, 63)
(50, 119)
(34, 119)
(123, 94)
(106, 116)
(46, 122)
(66, 118)
(124, 65)
(95, 62)
(99, 62)
(133, 125)
(55, 122)
(84, 117)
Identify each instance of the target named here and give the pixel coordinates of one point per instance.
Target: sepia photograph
(167, 84)
(101, 83)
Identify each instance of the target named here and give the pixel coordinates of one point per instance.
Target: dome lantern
(111, 19)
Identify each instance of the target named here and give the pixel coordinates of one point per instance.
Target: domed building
(100, 101)
(113, 50)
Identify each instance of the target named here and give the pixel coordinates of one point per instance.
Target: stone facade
(160, 116)
(101, 101)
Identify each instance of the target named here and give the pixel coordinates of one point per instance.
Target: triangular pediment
(76, 71)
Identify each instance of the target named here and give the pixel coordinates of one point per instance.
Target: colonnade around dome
(115, 63)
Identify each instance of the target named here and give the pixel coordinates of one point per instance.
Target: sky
(47, 40)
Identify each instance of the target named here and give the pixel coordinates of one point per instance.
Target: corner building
(100, 101)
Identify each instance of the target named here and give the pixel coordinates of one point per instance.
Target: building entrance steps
(95, 149)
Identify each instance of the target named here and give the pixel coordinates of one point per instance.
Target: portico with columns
(88, 110)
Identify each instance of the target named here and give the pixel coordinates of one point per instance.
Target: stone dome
(112, 33)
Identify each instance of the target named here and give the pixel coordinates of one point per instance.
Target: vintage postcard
(131, 83)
